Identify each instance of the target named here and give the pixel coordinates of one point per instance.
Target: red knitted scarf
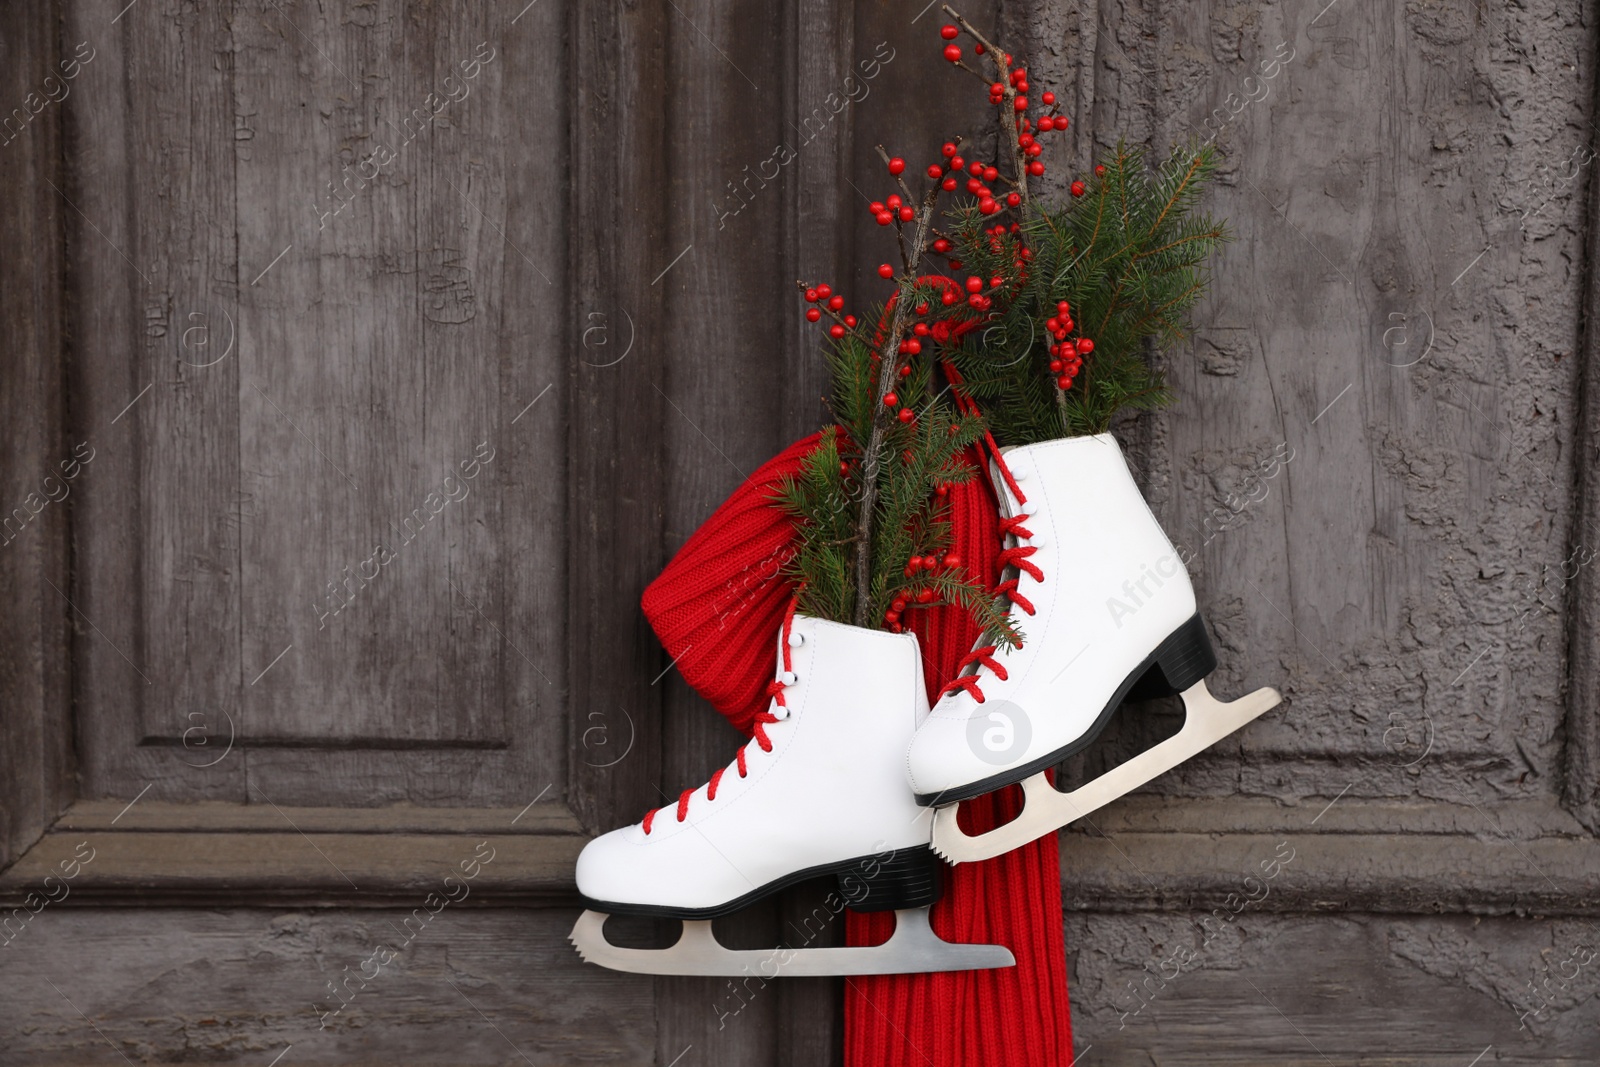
(716, 609)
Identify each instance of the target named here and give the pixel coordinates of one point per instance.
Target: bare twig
(888, 372)
(1008, 112)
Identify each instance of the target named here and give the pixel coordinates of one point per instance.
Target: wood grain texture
(1405, 580)
(35, 736)
(618, 248)
(239, 985)
(373, 306)
(1431, 991)
(1581, 768)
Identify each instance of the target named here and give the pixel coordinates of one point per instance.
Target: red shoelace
(1015, 556)
(775, 690)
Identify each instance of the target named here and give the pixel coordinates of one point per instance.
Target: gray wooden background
(366, 360)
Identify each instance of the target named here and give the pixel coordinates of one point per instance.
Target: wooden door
(370, 358)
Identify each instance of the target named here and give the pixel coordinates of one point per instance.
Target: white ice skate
(820, 789)
(1105, 604)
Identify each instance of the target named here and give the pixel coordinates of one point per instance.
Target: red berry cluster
(823, 298)
(923, 597)
(1066, 355)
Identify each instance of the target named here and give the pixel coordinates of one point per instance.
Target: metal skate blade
(913, 948)
(1208, 720)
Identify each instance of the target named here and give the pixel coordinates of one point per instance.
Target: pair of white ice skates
(849, 773)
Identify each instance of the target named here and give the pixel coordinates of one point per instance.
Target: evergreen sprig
(1130, 257)
(919, 463)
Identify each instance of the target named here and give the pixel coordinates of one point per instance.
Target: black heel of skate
(905, 878)
(1183, 659)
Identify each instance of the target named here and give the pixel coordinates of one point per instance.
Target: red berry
(836, 331)
(988, 205)
(949, 185)
(1078, 188)
(844, 468)
(1035, 149)
(891, 617)
(948, 32)
(884, 218)
(850, 321)
(837, 303)
(948, 149)
(905, 372)
(824, 291)
(1085, 346)
(1020, 103)
(952, 52)
(1048, 98)
(974, 284)
(990, 174)
(890, 400)
(924, 596)
(1061, 122)
(906, 415)
(975, 301)
(941, 246)
(893, 203)
(1013, 199)
(898, 604)
(922, 309)
(897, 166)
(1064, 382)
(997, 89)
(875, 207)
(956, 163)
(1067, 324)
(811, 296)
(913, 346)
(1036, 168)
(1063, 308)
(951, 560)
(907, 214)
(1055, 366)
(996, 282)
(955, 264)
(935, 171)
(812, 314)
(1099, 169)
(1046, 123)
(885, 271)
(978, 48)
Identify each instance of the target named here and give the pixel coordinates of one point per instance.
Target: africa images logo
(998, 732)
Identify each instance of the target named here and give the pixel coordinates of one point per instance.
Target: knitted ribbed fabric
(718, 605)
(717, 609)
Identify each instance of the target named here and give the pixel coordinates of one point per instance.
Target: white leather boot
(820, 789)
(1103, 600)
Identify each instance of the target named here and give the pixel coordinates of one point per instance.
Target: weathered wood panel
(1404, 580)
(618, 166)
(35, 455)
(241, 986)
(343, 506)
